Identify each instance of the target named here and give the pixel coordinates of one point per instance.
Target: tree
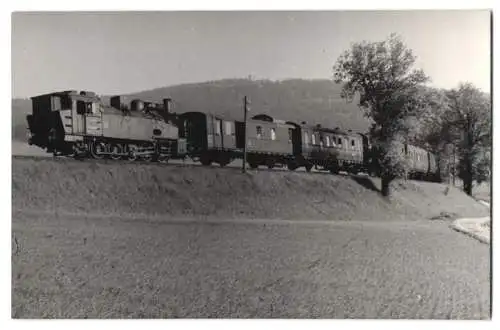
(469, 121)
(431, 130)
(382, 74)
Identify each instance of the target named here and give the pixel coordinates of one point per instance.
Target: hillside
(162, 192)
(315, 101)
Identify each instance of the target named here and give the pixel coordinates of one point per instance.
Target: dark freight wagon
(210, 138)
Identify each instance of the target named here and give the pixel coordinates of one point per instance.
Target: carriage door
(296, 140)
(219, 135)
(81, 109)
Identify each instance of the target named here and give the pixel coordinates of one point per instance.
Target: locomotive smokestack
(167, 104)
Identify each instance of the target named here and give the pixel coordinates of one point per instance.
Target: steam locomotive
(79, 124)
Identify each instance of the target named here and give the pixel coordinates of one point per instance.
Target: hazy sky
(131, 51)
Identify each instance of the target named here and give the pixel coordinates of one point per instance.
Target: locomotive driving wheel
(116, 151)
(147, 157)
(97, 150)
(132, 148)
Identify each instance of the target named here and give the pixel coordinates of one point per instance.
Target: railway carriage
(327, 149)
(423, 164)
(269, 141)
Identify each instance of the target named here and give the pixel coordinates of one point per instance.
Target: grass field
(112, 239)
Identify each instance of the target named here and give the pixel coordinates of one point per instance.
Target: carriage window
(80, 107)
(66, 103)
(228, 128)
(96, 107)
(327, 141)
(56, 103)
(217, 126)
(290, 134)
(339, 142)
(60, 102)
(259, 132)
(273, 133)
(306, 138)
(313, 138)
(353, 143)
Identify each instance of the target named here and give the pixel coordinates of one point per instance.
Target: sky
(124, 52)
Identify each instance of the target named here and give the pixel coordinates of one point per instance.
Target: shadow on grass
(366, 182)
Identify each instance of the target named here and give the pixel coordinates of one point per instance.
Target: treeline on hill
(454, 124)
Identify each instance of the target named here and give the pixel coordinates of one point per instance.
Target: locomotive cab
(58, 116)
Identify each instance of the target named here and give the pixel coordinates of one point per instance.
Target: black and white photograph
(251, 164)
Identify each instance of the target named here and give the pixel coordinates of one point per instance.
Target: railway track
(234, 166)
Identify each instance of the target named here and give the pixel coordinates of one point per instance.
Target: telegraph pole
(454, 163)
(246, 102)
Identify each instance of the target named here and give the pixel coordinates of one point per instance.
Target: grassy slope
(174, 191)
(315, 101)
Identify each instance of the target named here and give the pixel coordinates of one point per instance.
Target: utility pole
(454, 164)
(246, 102)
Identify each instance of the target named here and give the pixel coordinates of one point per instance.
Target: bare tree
(382, 74)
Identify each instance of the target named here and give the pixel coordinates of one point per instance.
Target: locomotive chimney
(167, 104)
